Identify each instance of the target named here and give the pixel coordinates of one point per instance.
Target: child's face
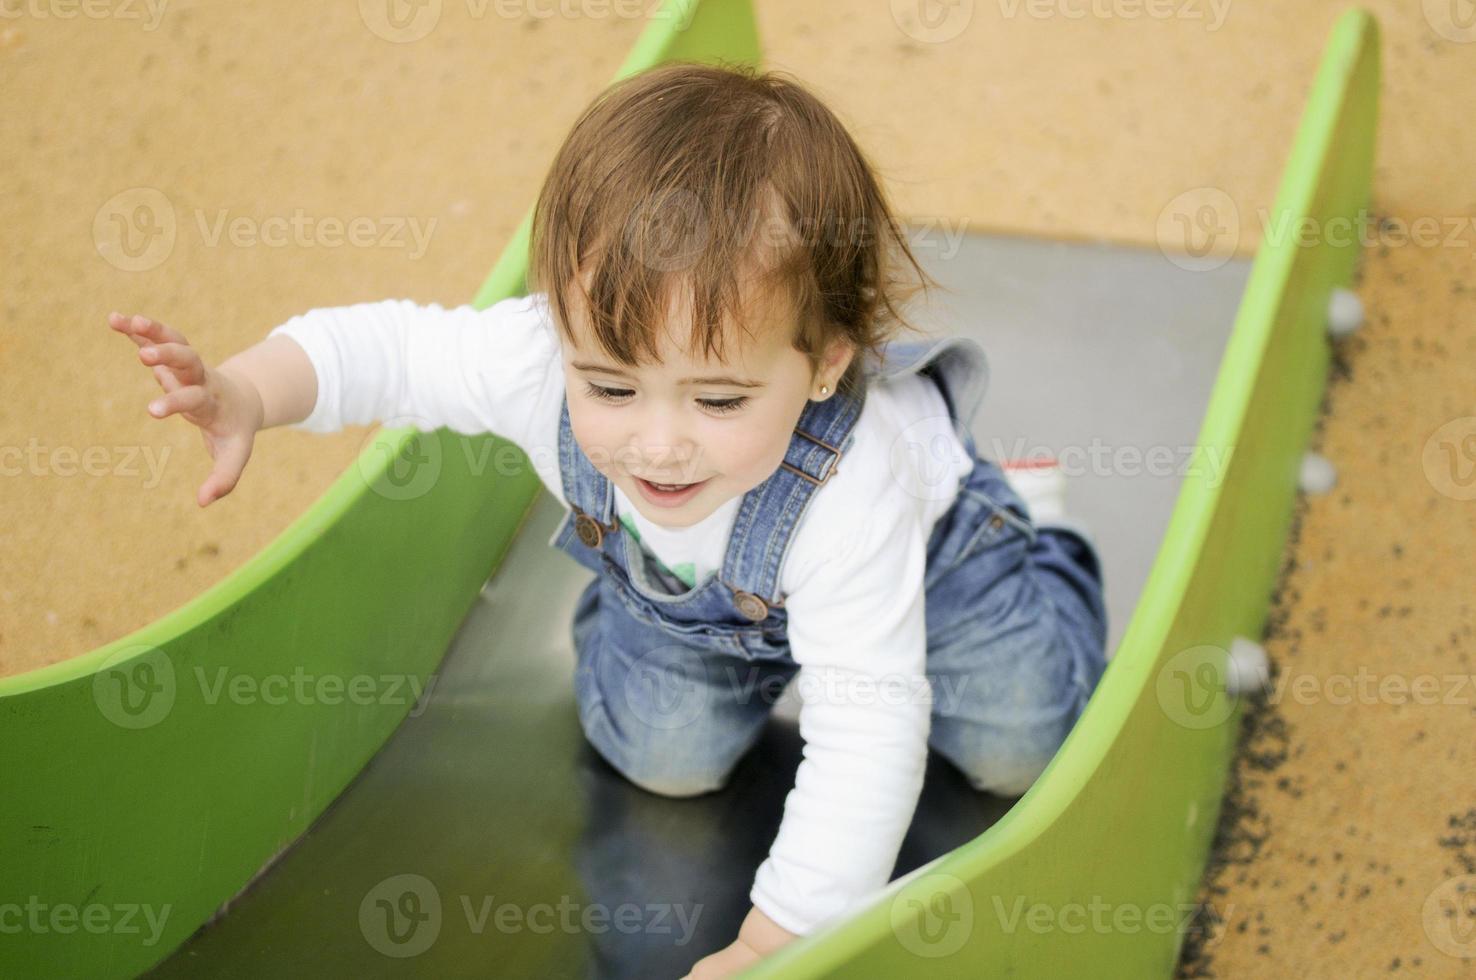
(725, 427)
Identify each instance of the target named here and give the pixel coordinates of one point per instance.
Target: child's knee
(666, 774)
(679, 784)
(668, 762)
(1002, 768)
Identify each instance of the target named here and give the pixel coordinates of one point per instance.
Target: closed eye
(608, 394)
(723, 405)
(720, 406)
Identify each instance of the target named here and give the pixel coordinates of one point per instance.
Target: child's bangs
(654, 278)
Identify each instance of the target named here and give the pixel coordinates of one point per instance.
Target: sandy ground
(1350, 825)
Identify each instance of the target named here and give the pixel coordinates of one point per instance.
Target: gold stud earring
(825, 389)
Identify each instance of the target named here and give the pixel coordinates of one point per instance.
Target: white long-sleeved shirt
(852, 577)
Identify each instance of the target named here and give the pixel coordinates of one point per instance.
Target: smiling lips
(668, 494)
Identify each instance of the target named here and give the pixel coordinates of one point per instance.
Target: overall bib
(674, 684)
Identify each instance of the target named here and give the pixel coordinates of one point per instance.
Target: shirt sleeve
(397, 362)
(857, 630)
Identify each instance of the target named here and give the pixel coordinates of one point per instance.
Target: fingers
(166, 378)
(184, 364)
(229, 463)
(144, 331)
(188, 399)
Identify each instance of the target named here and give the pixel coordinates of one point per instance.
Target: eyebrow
(735, 382)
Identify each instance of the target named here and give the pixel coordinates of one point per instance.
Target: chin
(672, 519)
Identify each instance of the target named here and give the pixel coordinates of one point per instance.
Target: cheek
(752, 448)
(597, 433)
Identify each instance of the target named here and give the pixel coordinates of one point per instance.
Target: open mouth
(668, 494)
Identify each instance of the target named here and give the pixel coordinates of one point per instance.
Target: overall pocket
(645, 624)
(985, 519)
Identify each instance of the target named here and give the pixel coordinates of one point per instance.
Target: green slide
(179, 778)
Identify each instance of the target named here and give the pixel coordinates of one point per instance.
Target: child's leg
(1016, 634)
(672, 715)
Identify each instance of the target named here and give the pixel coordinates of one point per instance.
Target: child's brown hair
(696, 175)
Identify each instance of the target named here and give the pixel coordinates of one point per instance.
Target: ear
(833, 364)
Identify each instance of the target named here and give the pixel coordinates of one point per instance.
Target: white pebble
(1318, 474)
(1248, 668)
(1344, 312)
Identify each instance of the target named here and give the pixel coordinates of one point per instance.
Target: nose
(661, 443)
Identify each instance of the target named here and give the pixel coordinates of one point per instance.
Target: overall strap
(957, 364)
(770, 512)
(588, 491)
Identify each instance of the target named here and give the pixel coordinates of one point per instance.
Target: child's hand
(227, 409)
(758, 936)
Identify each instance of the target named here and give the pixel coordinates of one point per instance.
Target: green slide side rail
(145, 783)
(1093, 870)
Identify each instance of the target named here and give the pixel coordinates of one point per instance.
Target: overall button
(751, 606)
(589, 530)
(996, 522)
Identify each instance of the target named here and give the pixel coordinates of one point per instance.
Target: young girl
(772, 486)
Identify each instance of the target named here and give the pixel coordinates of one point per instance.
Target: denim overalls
(674, 684)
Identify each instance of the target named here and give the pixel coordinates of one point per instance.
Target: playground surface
(1346, 818)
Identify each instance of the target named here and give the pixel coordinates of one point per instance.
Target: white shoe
(1042, 485)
